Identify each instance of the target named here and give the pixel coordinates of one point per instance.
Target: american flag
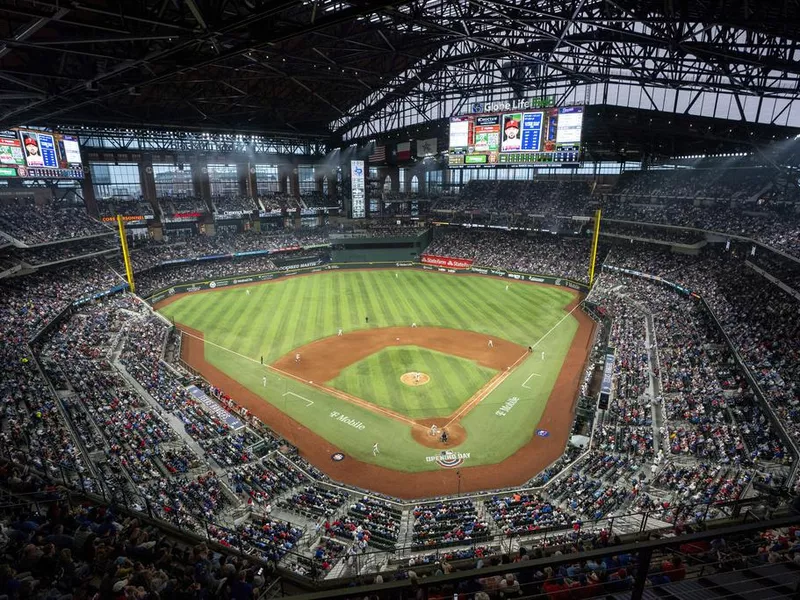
(378, 154)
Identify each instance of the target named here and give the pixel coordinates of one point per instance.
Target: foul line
(332, 392)
(485, 391)
(492, 385)
(310, 402)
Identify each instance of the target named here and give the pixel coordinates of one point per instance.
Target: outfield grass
(282, 315)
(377, 379)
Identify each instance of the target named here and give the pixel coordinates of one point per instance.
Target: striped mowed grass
(282, 315)
(453, 381)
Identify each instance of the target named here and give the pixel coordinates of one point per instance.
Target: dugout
(359, 247)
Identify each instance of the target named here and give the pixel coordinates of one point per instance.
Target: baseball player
(247, 292)
(413, 324)
(396, 275)
(297, 358)
(375, 450)
(264, 381)
(542, 355)
(433, 430)
(417, 377)
(491, 344)
(340, 332)
(506, 287)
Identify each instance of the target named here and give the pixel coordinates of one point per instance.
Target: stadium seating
(685, 428)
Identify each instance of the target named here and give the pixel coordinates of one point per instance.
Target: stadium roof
(361, 67)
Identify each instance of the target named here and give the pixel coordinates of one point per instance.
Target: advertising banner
(446, 261)
(357, 188)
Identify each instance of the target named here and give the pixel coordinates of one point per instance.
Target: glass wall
(173, 181)
(223, 180)
(305, 177)
(267, 179)
(116, 181)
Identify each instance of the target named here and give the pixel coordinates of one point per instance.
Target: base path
(514, 471)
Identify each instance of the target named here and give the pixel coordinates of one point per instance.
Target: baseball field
(362, 363)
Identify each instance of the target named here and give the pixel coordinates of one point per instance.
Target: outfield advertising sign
(446, 261)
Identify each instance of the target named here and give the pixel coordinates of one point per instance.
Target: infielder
(340, 333)
(413, 324)
(491, 344)
(375, 450)
(297, 358)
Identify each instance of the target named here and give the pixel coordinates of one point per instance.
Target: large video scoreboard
(40, 155)
(517, 137)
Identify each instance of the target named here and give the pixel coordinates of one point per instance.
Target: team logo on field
(447, 459)
(212, 285)
(337, 457)
(542, 432)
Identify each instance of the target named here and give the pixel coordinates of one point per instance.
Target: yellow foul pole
(595, 238)
(126, 257)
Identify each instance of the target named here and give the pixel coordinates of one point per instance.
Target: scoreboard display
(523, 137)
(40, 155)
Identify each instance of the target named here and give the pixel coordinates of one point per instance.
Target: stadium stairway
(765, 582)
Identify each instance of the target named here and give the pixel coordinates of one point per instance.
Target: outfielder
(264, 381)
(247, 292)
(375, 450)
(542, 355)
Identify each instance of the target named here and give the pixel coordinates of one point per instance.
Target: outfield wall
(196, 286)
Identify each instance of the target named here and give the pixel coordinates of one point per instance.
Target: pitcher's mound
(415, 379)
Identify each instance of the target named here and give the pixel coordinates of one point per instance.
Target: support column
(148, 181)
(243, 186)
(89, 200)
(284, 171)
(200, 182)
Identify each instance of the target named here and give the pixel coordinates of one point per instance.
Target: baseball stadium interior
(168, 166)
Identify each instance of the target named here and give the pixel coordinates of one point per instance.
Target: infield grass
(279, 316)
(453, 381)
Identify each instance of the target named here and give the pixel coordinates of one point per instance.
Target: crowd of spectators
(447, 523)
(111, 207)
(148, 254)
(651, 232)
(544, 255)
(234, 202)
(723, 184)
(32, 223)
(178, 205)
(87, 550)
(66, 251)
(519, 197)
(700, 438)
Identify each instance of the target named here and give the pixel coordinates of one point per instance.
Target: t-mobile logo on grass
(507, 406)
(347, 420)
